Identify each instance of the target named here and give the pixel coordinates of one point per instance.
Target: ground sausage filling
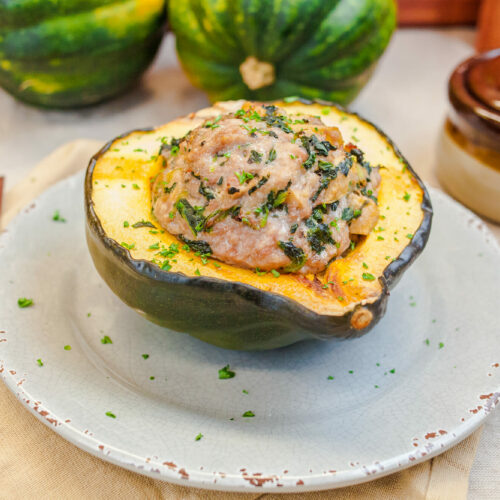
(262, 189)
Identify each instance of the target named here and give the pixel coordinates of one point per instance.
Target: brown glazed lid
(474, 92)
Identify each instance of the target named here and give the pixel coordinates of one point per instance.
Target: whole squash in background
(71, 53)
(267, 49)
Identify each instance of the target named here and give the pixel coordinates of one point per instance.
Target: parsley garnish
(198, 437)
(67, 348)
(244, 177)
(145, 356)
(225, 373)
(40, 362)
(110, 414)
(368, 277)
(57, 217)
(248, 414)
(106, 340)
(24, 302)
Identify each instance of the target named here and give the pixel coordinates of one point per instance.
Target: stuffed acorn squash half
(253, 226)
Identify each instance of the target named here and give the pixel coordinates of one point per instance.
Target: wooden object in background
(438, 12)
(488, 33)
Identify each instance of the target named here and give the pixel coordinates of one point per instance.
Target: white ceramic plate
(395, 399)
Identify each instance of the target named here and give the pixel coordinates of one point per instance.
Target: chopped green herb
(197, 245)
(192, 215)
(365, 265)
(380, 238)
(368, 277)
(24, 302)
(155, 246)
(409, 236)
(295, 254)
(135, 186)
(145, 356)
(427, 342)
(151, 378)
(127, 246)
(225, 373)
(330, 377)
(213, 124)
(406, 196)
(106, 340)
(67, 348)
(197, 272)
(255, 157)
(244, 391)
(248, 414)
(275, 273)
(244, 177)
(110, 414)
(57, 217)
(271, 156)
(351, 371)
(125, 223)
(393, 370)
(198, 437)
(143, 223)
(441, 345)
(40, 362)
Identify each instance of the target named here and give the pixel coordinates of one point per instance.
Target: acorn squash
(233, 307)
(63, 54)
(267, 49)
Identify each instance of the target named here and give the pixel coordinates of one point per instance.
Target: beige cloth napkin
(35, 462)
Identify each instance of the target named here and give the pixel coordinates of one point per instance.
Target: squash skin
(231, 314)
(60, 54)
(319, 49)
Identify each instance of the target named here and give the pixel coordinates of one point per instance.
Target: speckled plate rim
(246, 482)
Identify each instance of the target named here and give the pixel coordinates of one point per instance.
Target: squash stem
(256, 74)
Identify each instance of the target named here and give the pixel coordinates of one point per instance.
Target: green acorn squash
(71, 53)
(233, 307)
(267, 49)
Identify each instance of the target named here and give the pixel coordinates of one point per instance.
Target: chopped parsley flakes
(57, 217)
(24, 302)
(225, 373)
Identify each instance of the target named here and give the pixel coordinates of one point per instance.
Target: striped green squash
(267, 49)
(72, 53)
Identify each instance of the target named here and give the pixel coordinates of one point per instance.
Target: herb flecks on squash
(240, 308)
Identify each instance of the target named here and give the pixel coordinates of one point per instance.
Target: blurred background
(406, 97)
